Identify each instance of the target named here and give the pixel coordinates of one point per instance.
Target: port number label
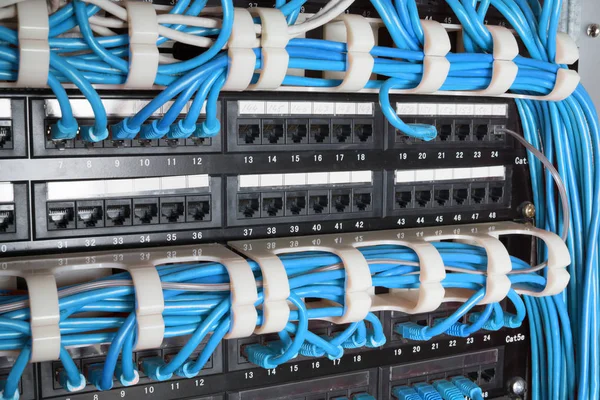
(336, 362)
(271, 230)
(318, 157)
(248, 160)
(316, 228)
(487, 338)
(199, 382)
(403, 156)
(359, 224)
(422, 156)
(361, 157)
(145, 239)
(197, 235)
(294, 368)
(452, 343)
(435, 346)
(316, 365)
(171, 162)
(197, 160)
(294, 229)
(149, 389)
(249, 375)
(271, 372)
(416, 349)
(397, 352)
(171, 237)
(470, 340)
(460, 154)
(357, 358)
(272, 159)
(339, 157)
(248, 232)
(295, 158)
(339, 226)
(144, 162)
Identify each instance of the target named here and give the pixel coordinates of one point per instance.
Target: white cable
(102, 30)
(320, 20)
(188, 20)
(198, 41)
(107, 22)
(110, 7)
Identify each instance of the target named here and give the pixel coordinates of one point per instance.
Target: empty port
(295, 203)
(90, 214)
(117, 212)
(477, 195)
(463, 132)
(473, 375)
(340, 201)
(403, 199)
(444, 131)
(496, 193)
(248, 205)
(6, 141)
(319, 131)
(297, 131)
(172, 210)
(198, 208)
(362, 201)
(363, 132)
(145, 211)
(460, 195)
(273, 131)
(488, 375)
(318, 203)
(441, 197)
(249, 132)
(272, 205)
(423, 197)
(480, 132)
(341, 131)
(7, 218)
(61, 216)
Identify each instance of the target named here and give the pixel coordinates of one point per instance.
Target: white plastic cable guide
(357, 32)
(273, 40)
(557, 277)
(45, 316)
(34, 48)
(504, 70)
(241, 56)
(150, 305)
(143, 34)
(435, 64)
(276, 290)
(359, 288)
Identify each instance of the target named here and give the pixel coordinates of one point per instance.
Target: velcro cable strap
(357, 32)
(150, 305)
(242, 59)
(504, 70)
(143, 35)
(243, 298)
(273, 40)
(34, 47)
(45, 317)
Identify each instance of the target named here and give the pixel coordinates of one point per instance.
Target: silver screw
(528, 210)
(518, 386)
(593, 30)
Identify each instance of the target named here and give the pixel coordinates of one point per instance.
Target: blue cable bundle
(567, 132)
(197, 306)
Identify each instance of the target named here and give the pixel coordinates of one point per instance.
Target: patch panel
(272, 198)
(450, 188)
(352, 386)
(482, 367)
(13, 137)
(45, 113)
(14, 208)
(88, 359)
(459, 123)
(259, 125)
(81, 208)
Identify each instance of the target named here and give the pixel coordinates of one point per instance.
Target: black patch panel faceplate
(337, 132)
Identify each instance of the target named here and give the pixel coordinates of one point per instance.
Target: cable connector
(426, 391)
(15, 396)
(119, 374)
(261, 355)
(512, 321)
(94, 376)
(412, 331)
(122, 130)
(447, 390)
(179, 131)
(490, 324)
(362, 396)
(151, 367)
(152, 131)
(60, 131)
(467, 387)
(186, 370)
(89, 134)
(310, 350)
(353, 343)
(63, 380)
(405, 393)
(207, 130)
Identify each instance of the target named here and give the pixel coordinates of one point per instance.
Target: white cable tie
(143, 35)
(566, 82)
(430, 294)
(557, 276)
(45, 316)
(567, 51)
(273, 40)
(504, 70)
(34, 47)
(357, 32)
(242, 59)
(276, 291)
(435, 64)
(149, 307)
